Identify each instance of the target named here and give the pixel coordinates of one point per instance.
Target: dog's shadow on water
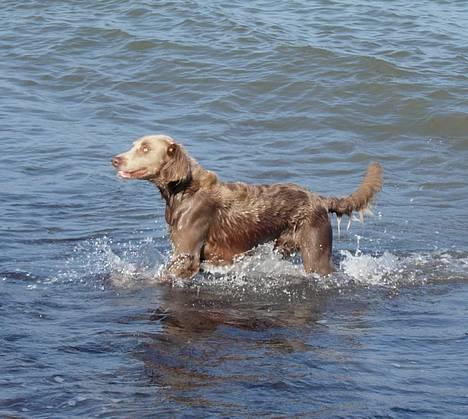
(207, 337)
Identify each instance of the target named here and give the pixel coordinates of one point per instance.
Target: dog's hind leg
(315, 242)
(285, 245)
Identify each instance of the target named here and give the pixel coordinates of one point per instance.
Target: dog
(214, 221)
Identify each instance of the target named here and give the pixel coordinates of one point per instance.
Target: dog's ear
(177, 169)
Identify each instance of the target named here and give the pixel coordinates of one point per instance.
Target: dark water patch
(19, 276)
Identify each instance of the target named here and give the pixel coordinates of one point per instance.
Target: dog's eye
(145, 149)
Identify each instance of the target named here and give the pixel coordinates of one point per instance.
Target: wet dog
(216, 221)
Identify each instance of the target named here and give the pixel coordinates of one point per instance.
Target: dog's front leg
(187, 242)
(184, 265)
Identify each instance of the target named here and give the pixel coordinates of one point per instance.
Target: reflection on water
(208, 339)
(215, 353)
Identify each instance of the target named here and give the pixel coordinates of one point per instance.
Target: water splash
(390, 270)
(266, 271)
(102, 262)
(262, 270)
(386, 269)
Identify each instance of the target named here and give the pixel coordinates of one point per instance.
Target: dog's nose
(116, 161)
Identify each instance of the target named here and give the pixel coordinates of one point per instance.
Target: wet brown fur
(215, 221)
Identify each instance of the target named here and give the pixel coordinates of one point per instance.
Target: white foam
(370, 270)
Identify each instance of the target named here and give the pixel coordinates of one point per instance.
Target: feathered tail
(361, 199)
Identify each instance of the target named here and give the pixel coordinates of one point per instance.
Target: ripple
(141, 45)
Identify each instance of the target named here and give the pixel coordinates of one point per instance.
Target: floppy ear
(177, 169)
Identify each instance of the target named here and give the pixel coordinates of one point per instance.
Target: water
(305, 92)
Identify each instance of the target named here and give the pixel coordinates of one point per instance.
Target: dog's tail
(361, 199)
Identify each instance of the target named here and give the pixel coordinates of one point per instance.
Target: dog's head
(154, 157)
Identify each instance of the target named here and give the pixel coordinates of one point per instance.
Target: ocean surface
(262, 92)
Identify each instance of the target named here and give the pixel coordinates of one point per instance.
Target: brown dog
(214, 221)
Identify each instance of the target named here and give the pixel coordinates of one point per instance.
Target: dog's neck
(199, 178)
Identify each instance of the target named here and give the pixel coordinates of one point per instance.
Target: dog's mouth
(134, 174)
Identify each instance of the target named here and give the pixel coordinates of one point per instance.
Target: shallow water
(294, 92)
